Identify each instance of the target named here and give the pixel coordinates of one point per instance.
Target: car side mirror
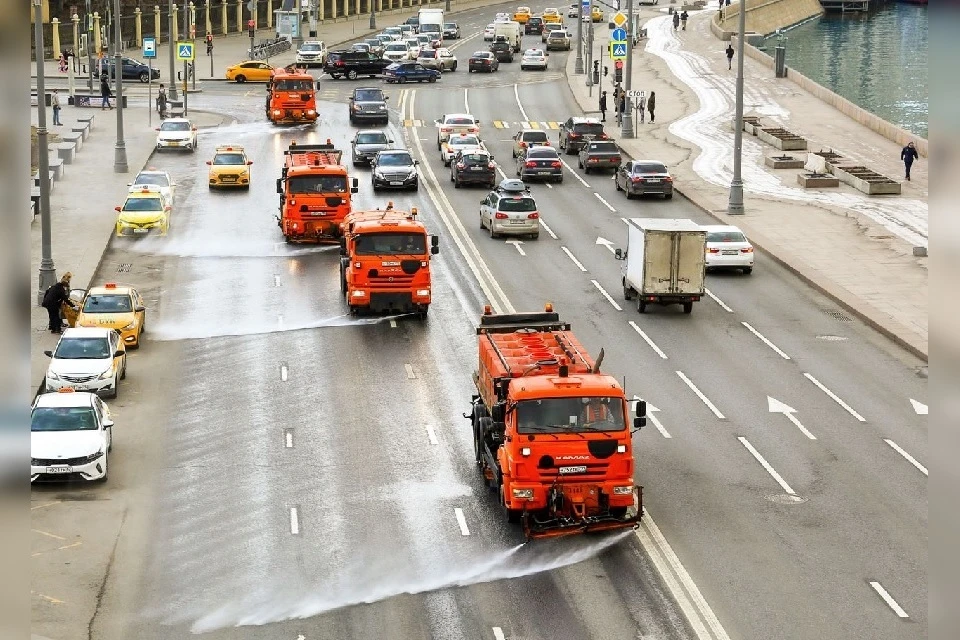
(129, 184)
(386, 97)
(620, 254)
(49, 354)
(249, 162)
(416, 162)
(107, 423)
(492, 157)
(140, 308)
(118, 353)
(437, 121)
(156, 128)
(209, 162)
(389, 141)
(116, 208)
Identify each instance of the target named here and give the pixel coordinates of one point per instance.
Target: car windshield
(293, 85)
(310, 46)
(649, 167)
(229, 158)
(603, 147)
(468, 121)
(534, 136)
(725, 236)
(175, 126)
(143, 204)
(396, 46)
(533, 54)
(360, 46)
(474, 158)
(589, 128)
(574, 415)
(368, 95)
(391, 244)
(449, 25)
(541, 153)
(465, 141)
(394, 160)
(317, 184)
(517, 203)
(482, 54)
(558, 34)
(83, 349)
(108, 303)
(371, 138)
(63, 419)
(429, 53)
(157, 179)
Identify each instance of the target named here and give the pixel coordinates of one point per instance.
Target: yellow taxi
(551, 14)
(522, 15)
(112, 306)
(596, 15)
(250, 71)
(229, 167)
(146, 209)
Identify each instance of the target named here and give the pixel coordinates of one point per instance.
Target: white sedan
(71, 434)
(489, 32)
(450, 148)
(534, 59)
(177, 133)
(87, 359)
(155, 178)
(728, 248)
(573, 11)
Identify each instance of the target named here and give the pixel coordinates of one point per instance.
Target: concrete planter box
(817, 181)
(783, 162)
(782, 139)
(83, 128)
(65, 151)
(866, 181)
(56, 168)
(87, 119)
(74, 138)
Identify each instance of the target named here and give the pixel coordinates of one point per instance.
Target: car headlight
(622, 491)
(52, 375)
(413, 172)
(130, 326)
(94, 456)
(106, 374)
(523, 493)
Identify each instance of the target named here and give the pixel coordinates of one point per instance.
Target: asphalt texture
(284, 451)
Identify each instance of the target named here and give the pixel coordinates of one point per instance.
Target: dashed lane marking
(606, 295)
(575, 261)
(461, 520)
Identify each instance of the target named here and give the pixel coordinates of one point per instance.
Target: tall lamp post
(578, 68)
(373, 14)
(48, 273)
(120, 151)
(171, 19)
(626, 123)
(89, 18)
(735, 204)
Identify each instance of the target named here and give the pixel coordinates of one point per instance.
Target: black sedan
(410, 72)
(394, 169)
(540, 163)
(483, 61)
(640, 177)
(473, 166)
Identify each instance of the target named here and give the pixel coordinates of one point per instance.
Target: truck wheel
(641, 306)
(423, 312)
(627, 292)
(687, 307)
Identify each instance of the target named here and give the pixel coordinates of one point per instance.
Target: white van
(512, 31)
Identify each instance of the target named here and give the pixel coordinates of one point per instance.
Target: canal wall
(764, 16)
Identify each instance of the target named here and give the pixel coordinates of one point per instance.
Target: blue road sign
(619, 35)
(586, 5)
(149, 47)
(619, 50)
(185, 51)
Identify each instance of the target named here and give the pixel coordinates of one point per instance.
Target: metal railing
(268, 48)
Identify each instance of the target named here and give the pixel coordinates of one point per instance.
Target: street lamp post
(735, 204)
(626, 122)
(578, 68)
(48, 273)
(171, 19)
(373, 14)
(89, 19)
(120, 151)
(447, 6)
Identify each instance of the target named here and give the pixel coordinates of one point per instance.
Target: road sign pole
(578, 65)
(627, 123)
(150, 93)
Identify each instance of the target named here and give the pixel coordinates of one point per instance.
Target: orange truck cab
(385, 261)
(551, 433)
(291, 97)
(314, 193)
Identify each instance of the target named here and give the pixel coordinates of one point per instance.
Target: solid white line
(600, 198)
(461, 521)
(835, 397)
(276, 281)
(498, 634)
(516, 94)
(466, 101)
(700, 395)
(283, 373)
(432, 435)
(410, 374)
(502, 174)
(401, 104)
(393, 324)
(606, 295)
(294, 521)
(574, 173)
(897, 609)
(792, 418)
(906, 455)
(718, 301)
(766, 342)
(575, 261)
(548, 229)
(648, 340)
(288, 439)
(766, 465)
(627, 222)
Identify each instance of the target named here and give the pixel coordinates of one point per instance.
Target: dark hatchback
(410, 72)
(534, 25)
(353, 64)
(640, 177)
(540, 163)
(502, 51)
(473, 166)
(483, 61)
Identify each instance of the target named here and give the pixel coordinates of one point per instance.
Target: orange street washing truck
(314, 193)
(385, 261)
(291, 97)
(551, 433)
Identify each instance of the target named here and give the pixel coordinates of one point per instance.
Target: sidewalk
(855, 248)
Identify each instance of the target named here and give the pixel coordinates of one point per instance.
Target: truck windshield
(375, 244)
(317, 184)
(574, 415)
(293, 85)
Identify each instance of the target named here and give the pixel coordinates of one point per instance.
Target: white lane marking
(401, 104)
(575, 261)
(766, 342)
(606, 295)
(656, 422)
(575, 174)
(627, 222)
(647, 339)
(288, 439)
(276, 281)
(548, 185)
(906, 455)
(457, 511)
(432, 435)
(766, 465)
(835, 397)
(548, 229)
(897, 609)
(466, 101)
(919, 407)
(775, 406)
(410, 374)
(607, 204)
(279, 321)
(719, 301)
(498, 634)
(516, 94)
(294, 521)
(301, 637)
(516, 244)
(283, 373)
(393, 324)
(700, 395)
(606, 243)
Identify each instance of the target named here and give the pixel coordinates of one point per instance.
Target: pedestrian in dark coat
(908, 155)
(162, 102)
(676, 20)
(603, 106)
(54, 298)
(105, 92)
(729, 53)
(651, 104)
(683, 19)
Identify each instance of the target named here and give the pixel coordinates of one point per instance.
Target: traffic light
(606, 70)
(618, 71)
(251, 28)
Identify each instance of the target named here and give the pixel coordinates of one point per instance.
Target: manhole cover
(124, 267)
(786, 498)
(832, 338)
(839, 315)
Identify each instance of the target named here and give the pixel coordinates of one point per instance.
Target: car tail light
(474, 129)
(501, 216)
(534, 216)
(339, 63)
(601, 136)
(445, 129)
(713, 250)
(490, 165)
(460, 165)
(574, 135)
(593, 160)
(556, 165)
(545, 143)
(530, 163)
(746, 250)
(636, 179)
(617, 159)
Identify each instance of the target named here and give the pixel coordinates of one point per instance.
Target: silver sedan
(534, 59)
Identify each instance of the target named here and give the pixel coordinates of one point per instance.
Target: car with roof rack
(511, 210)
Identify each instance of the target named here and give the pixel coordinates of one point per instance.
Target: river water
(876, 60)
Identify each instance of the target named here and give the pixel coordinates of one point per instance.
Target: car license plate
(174, 144)
(653, 180)
(518, 222)
(396, 184)
(543, 173)
(730, 253)
(578, 469)
(59, 469)
(476, 168)
(141, 230)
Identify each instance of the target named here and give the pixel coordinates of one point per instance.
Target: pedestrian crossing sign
(185, 51)
(618, 50)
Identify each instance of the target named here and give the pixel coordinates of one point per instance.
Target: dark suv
(368, 103)
(534, 25)
(353, 64)
(502, 50)
(578, 131)
(130, 69)
(473, 166)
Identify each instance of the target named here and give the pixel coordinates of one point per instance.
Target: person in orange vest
(595, 411)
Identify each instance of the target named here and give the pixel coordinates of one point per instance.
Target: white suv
(177, 133)
(312, 52)
(87, 359)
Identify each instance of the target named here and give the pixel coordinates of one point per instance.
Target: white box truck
(664, 262)
(431, 21)
(512, 31)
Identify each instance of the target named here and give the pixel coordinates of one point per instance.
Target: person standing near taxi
(54, 298)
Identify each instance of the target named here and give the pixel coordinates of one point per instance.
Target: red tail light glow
(713, 250)
(534, 216)
(530, 163)
(746, 250)
(556, 165)
(490, 165)
(501, 216)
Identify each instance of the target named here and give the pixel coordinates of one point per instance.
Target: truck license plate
(59, 469)
(577, 469)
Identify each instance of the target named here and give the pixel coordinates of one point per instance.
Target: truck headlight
(359, 293)
(621, 448)
(525, 451)
(523, 493)
(622, 491)
(423, 292)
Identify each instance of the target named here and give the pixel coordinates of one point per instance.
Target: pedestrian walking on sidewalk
(54, 298)
(908, 155)
(603, 106)
(683, 19)
(162, 102)
(105, 92)
(676, 20)
(622, 107)
(642, 107)
(729, 53)
(55, 103)
(651, 104)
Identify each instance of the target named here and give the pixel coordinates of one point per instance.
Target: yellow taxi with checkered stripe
(229, 168)
(112, 306)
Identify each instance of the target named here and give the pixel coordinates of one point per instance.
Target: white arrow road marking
(835, 397)
(284, 372)
(719, 301)
(498, 634)
(432, 435)
(919, 407)
(516, 244)
(462, 521)
(606, 243)
(648, 340)
(606, 295)
(276, 281)
(288, 439)
(656, 422)
(575, 261)
(574, 173)
(548, 229)
(766, 342)
(906, 455)
(410, 374)
(766, 465)
(607, 204)
(393, 324)
(301, 637)
(775, 406)
(897, 609)
(700, 395)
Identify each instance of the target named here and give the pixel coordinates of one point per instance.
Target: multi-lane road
(288, 468)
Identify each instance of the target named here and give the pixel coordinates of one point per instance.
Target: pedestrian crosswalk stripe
(413, 123)
(500, 124)
(553, 125)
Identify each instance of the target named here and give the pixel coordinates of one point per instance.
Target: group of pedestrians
(680, 19)
(620, 100)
